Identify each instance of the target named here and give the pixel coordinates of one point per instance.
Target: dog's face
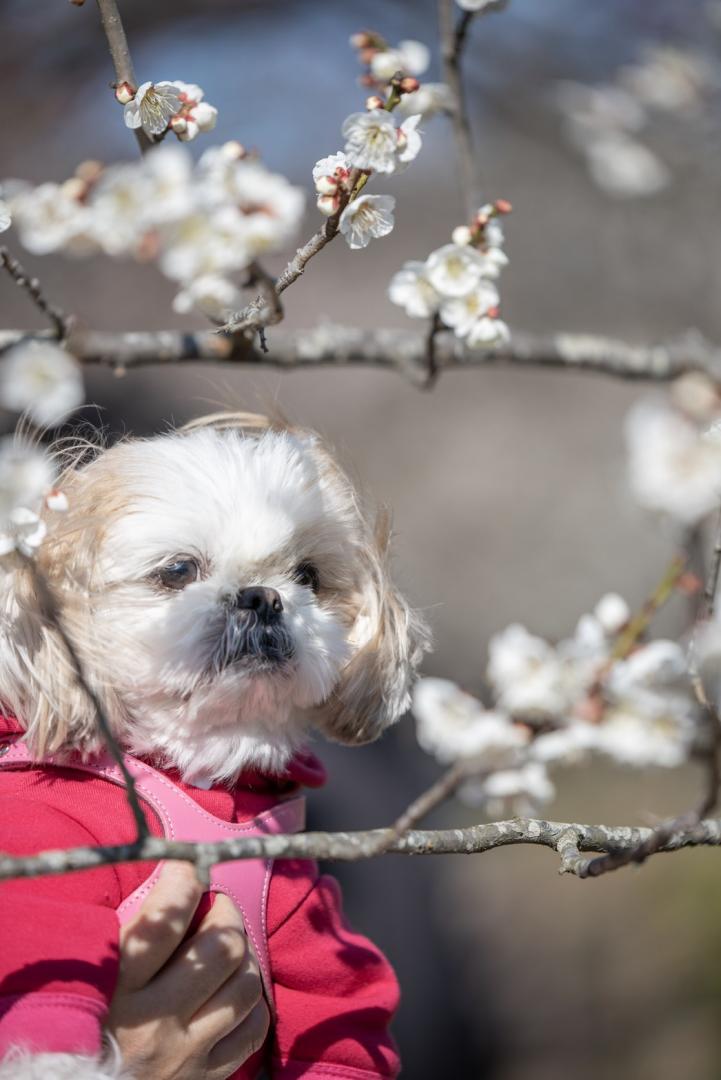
(225, 591)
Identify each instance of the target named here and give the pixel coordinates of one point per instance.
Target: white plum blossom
(210, 294)
(518, 791)
(195, 115)
(375, 143)
(22, 530)
(624, 167)
(153, 107)
(454, 271)
(336, 166)
(570, 745)
(667, 78)
(41, 379)
(526, 675)
(462, 312)
(487, 333)
(409, 57)
(612, 613)
(653, 715)
(204, 243)
(452, 724)
(475, 5)
(5, 216)
(168, 185)
(673, 469)
(366, 218)
(411, 289)
(118, 207)
(427, 101)
(48, 218)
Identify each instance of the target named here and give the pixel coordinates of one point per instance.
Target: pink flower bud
(502, 206)
(327, 204)
(57, 501)
(408, 85)
(179, 124)
(326, 185)
(493, 312)
(374, 102)
(124, 93)
(75, 188)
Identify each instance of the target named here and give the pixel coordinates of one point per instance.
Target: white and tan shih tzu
(227, 594)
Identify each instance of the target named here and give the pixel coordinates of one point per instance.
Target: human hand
(186, 1010)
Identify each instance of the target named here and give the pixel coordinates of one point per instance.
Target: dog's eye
(307, 574)
(178, 574)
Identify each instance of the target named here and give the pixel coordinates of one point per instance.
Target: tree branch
(354, 846)
(120, 53)
(392, 349)
(32, 287)
(452, 42)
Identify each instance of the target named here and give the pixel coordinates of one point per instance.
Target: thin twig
(453, 39)
(31, 285)
(438, 793)
(120, 53)
(50, 611)
(712, 583)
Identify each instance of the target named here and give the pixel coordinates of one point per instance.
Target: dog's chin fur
(250, 503)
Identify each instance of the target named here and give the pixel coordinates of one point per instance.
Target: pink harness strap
(244, 881)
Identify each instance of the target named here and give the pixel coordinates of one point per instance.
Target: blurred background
(508, 487)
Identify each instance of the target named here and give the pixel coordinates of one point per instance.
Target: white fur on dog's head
(187, 678)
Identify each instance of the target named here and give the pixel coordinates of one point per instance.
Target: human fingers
(229, 1005)
(149, 940)
(234, 1050)
(202, 964)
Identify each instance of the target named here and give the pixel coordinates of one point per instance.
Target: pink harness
(244, 881)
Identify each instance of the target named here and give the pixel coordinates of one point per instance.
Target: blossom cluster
(27, 487)
(558, 704)
(457, 282)
(375, 143)
(604, 121)
(201, 221)
(161, 107)
(674, 451)
(407, 59)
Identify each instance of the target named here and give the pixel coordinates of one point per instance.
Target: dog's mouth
(253, 644)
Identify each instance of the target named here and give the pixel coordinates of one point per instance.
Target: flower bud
(75, 188)
(326, 185)
(493, 312)
(374, 102)
(90, 171)
(234, 150)
(189, 132)
(124, 93)
(461, 235)
(179, 124)
(361, 40)
(57, 500)
(502, 206)
(408, 85)
(327, 204)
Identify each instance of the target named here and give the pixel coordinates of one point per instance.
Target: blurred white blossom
(462, 312)
(668, 78)
(451, 724)
(453, 271)
(411, 289)
(5, 216)
(518, 791)
(41, 379)
(367, 217)
(623, 166)
(210, 294)
(409, 57)
(487, 332)
(527, 675)
(673, 469)
(48, 218)
(427, 101)
(475, 5)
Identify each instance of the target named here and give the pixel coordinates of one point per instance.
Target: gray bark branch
(566, 839)
(403, 351)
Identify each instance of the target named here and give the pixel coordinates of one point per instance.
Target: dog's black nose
(266, 603)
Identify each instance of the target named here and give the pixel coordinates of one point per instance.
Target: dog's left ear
(388, 640)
